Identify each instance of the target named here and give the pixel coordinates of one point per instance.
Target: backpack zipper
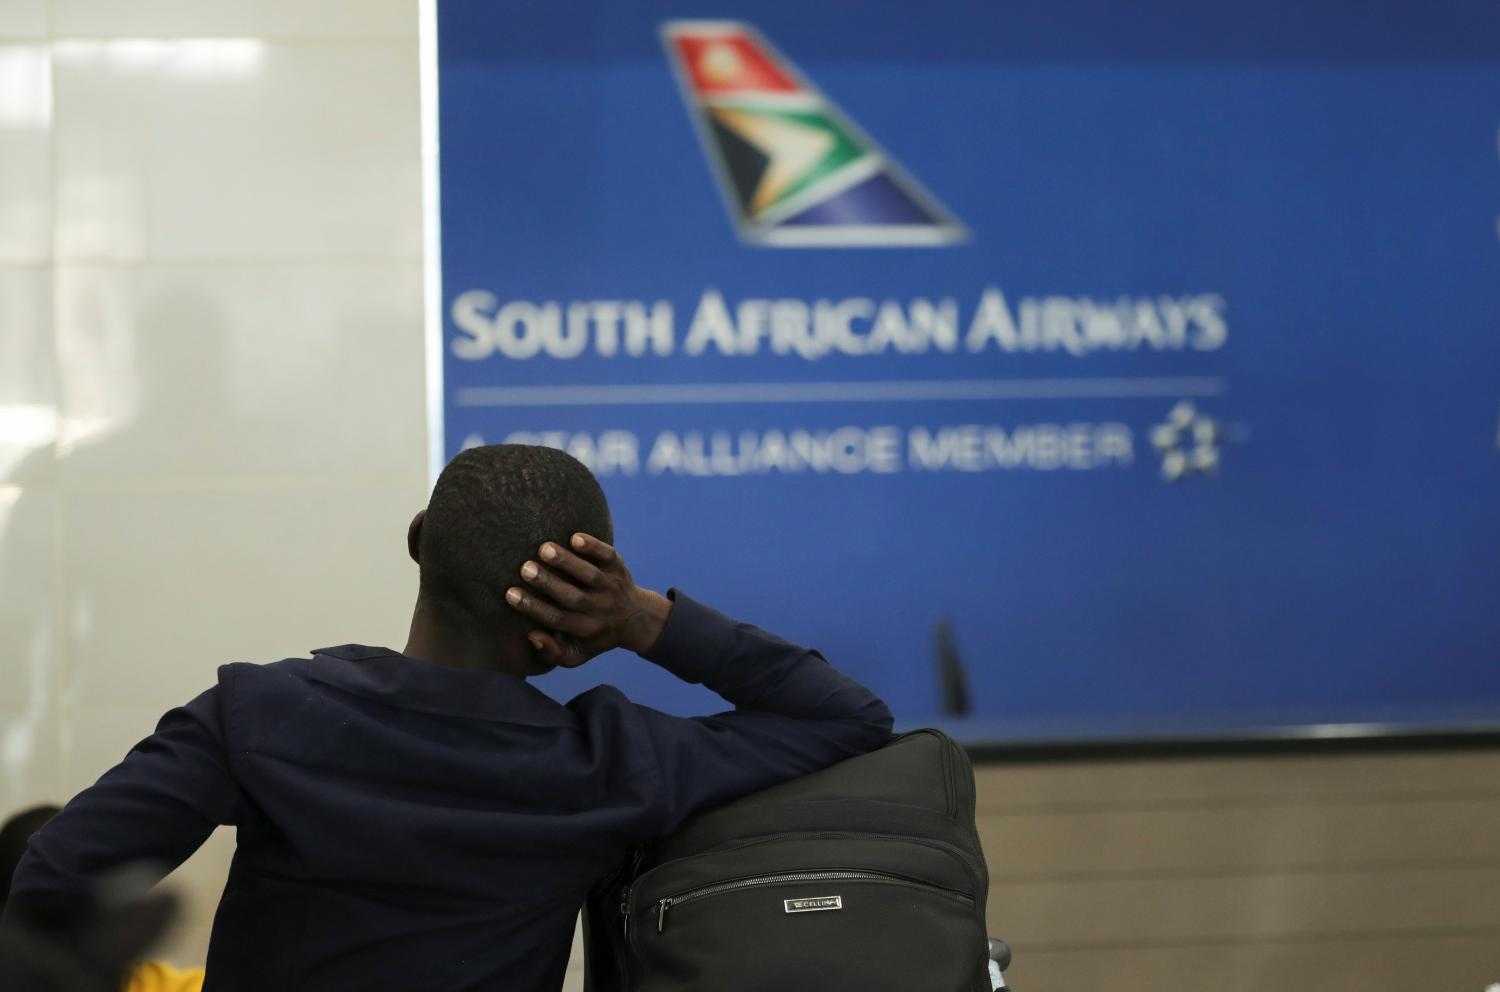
(638, 854)
(979, 875)
(692, 895)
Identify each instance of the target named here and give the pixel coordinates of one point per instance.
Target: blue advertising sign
(1058, 369)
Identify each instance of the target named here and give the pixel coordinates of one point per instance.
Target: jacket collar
(396, 680)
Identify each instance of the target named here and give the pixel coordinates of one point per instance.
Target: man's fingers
(559, 590)
(584, 573)
(573, 654)
(593, 548)
(546, 645)
(534, 607)
(560, 651)
(547, 614)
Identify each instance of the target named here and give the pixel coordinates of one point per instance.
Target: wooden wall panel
(1326, 872)
(1165, 782)
(1465, 962)
(1245, 907)
(1300, 835)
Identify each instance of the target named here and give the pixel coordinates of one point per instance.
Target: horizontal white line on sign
(643, 394)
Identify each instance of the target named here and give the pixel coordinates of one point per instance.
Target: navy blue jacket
(404, 825)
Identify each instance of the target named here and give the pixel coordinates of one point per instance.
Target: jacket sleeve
(794, 714)
(155, 808)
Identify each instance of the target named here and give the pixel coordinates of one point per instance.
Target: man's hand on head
(584, 603)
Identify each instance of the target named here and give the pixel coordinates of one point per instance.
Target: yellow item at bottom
(153, 976)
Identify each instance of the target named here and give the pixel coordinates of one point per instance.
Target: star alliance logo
(793, 169)
(1188, 442)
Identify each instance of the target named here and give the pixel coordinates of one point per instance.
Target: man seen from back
(427, 819)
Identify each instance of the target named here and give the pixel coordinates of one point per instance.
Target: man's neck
(435, 637)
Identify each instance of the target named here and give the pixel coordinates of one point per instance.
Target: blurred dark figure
(83, 943)
(77, 944)
(13, 836)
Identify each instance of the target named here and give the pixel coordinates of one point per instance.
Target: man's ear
(414, 537)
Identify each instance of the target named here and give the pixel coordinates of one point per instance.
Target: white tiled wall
(211, 364)
(329, 20)
(232, 149)
(23, 19)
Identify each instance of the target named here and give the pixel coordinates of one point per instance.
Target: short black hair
(13, 837)
(492, 508)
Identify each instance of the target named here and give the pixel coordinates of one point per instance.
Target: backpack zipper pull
(625, 910)
(661, 914)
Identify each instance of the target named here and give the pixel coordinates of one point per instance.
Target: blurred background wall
(212, 436)
(211, 376)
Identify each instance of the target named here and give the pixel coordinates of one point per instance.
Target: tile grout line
(241, 261)
(64, 667)
(1302, 801)
(1309, 869)
(291, 41)
(1235, 940)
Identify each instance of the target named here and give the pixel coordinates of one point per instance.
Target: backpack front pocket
(808, 930)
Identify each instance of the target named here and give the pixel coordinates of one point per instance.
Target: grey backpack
(865, 876)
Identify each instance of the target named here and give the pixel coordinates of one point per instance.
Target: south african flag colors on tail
(793, 169)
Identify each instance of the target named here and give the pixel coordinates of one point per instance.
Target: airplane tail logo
(794, 170)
